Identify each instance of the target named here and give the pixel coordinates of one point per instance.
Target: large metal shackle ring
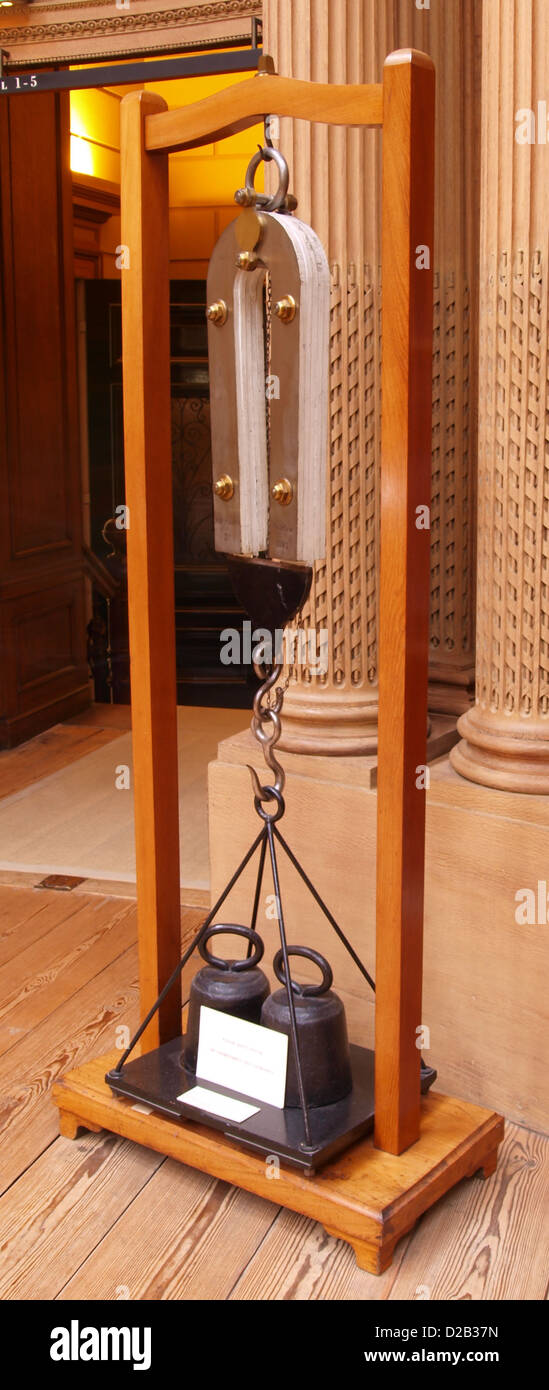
(304, 990)
(247, 962)
(262, 200)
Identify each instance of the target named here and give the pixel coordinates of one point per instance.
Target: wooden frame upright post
(148, 467)
(407, 325)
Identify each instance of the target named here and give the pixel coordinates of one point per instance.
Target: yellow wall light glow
(81, 156)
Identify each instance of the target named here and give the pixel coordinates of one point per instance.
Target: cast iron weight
(236, 987)
(322, 1030)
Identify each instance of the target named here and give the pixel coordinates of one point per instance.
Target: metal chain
(267, 709)
(267, 321)
(266, 712)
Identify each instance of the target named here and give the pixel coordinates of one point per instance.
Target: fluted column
(506, 735)
(451, 34)
(336, 177)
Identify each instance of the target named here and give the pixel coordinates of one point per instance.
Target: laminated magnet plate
(268, 347)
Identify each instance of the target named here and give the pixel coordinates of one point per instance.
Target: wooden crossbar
(243, 105)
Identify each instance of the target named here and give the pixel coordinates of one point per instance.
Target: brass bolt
(285, 309)
(217, 313)
(245, 197)
(282, 492)
(246, 260)
(224, 487)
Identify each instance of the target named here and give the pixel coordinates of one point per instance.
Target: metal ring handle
(305, 990)
(247, 962)
(262, 200)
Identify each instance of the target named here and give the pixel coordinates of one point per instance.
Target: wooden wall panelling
(41, 579)
(95, 202)
(52, 34)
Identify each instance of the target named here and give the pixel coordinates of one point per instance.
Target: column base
(503, 752)
(323, 722)
(451, 687)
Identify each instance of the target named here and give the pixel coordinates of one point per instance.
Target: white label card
(225, 1106)
(242, 1056)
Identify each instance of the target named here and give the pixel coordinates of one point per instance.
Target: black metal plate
(159, 1077)
(271, 591)
(200, 64)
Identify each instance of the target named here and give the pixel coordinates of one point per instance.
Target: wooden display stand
(374, 1192)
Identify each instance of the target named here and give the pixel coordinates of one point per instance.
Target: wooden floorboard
(30, 920)
(48, 753)
(79, 1029)
(62, 1207)
(99, 1217)
(79, 821)
(298, 1261)
(105, 716)
(101, 887)
(89, 935)
(81, 1023)
(487, 1240)
(200, 1234)
(483, 1241)
(76, 950)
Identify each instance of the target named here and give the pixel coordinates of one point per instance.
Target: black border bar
(119, 74)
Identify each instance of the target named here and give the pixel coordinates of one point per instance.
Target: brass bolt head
(282, 492)
(246, 260)
(285, 308)
(224, 487)
(217, 313)
(245, 197)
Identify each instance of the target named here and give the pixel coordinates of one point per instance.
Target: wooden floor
(62, 808)
(101, 1218)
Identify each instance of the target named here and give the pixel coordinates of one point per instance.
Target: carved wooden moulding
(39, 34)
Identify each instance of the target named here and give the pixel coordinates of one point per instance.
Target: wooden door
(204, 600)
(43, 666)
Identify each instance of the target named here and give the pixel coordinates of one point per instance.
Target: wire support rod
(188, 953)
(325, 909)
(258, 885)
(289, 990)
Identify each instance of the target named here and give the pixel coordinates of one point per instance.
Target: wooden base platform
(365, 1197)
